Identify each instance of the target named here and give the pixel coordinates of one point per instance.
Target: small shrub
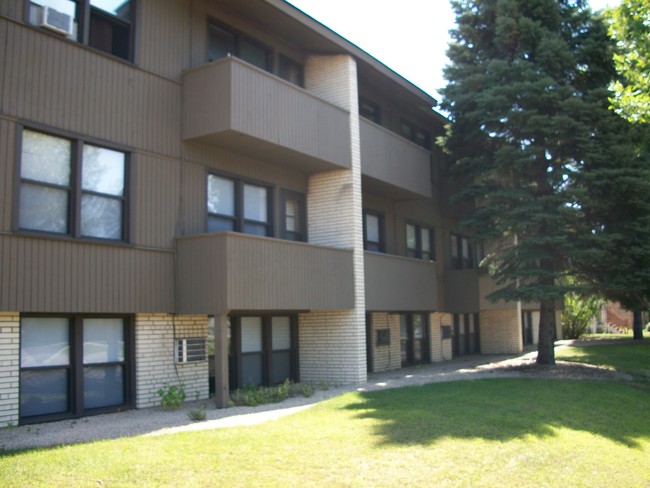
(251, 395)
(197, 414)
(171, 397)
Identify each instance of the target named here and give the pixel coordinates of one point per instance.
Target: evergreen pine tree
(527, 98)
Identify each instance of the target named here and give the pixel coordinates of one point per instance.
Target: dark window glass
(415, 134)
(224, 41)
(370, 110)
(461, 252)
(48, 382)
(420, 242)
(221, 43)
(373, 231)
(263, 350)
(291, 70)
(294, 216)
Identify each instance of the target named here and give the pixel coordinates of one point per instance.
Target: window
(294, 216)
(71, 187)
(370, 110)
(461, 252)
(238, 206)
(263, 350)
(420, 242)
(71, 366)
(110, 22)
(373, 231)
(413, 338)
(292, 71)
(224, 41)
(415, 134)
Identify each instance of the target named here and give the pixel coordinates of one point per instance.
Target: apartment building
(215, 193)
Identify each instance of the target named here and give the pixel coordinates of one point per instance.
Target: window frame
(413, 131)
(458, 258)
(239, 220)
(75, 190)
(373, 115)
(284, 62)
(83, 14)
(381, 244)
(75, 390)
(238, 38)
(301, 198)
(266, 353)
(417, 253)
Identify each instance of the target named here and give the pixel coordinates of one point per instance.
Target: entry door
(413, 339)
(527, 327)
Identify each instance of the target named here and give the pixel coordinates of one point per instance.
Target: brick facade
(385, 357)
(9, 368)
(155, 342)
(500, 331)
(333, 344)
(440, 348)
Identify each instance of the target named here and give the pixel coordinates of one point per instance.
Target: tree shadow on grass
(506, 409)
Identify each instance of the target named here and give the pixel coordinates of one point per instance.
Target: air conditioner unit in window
(56, 21)
(190, 350)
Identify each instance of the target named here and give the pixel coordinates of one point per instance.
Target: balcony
(399, 284)
(461, 291)
(394, 166)
(234, 105)
(231, 271)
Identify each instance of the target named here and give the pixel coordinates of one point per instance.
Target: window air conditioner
(57, 21)
(190, 350)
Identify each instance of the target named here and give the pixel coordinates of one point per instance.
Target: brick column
(9, 368)
(333, 344)
(501, 331)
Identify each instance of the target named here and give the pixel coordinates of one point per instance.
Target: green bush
(251, 395)
(171, 397)
(577, 314)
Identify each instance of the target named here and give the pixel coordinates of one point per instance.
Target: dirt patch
(561, 370)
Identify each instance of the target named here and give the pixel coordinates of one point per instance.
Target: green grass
(484, 433)
(624, 355)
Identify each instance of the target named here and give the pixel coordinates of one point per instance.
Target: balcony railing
(231, 271)
(396, 284)
(395, 162)
(235, 105)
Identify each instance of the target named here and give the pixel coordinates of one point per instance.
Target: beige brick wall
(332, 349)
(333, 344)
(9, 368)
(385, 357)
(155, 356)
(440, 348)
(500, 331)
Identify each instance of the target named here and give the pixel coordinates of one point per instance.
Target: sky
(411, 39)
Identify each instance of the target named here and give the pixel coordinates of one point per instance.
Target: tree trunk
(637, 326)
(546, 339)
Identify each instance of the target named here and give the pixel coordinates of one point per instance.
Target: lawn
(494, 432)
(623, 354)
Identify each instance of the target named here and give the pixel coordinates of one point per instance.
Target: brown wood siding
(45, 275)
(461, 291)
(393, 160)
(12, 9)
(163, 35)
(68, 86)
(7, 158)
(232, 104)
(229, 271)
(155, 206)
(395, 283)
